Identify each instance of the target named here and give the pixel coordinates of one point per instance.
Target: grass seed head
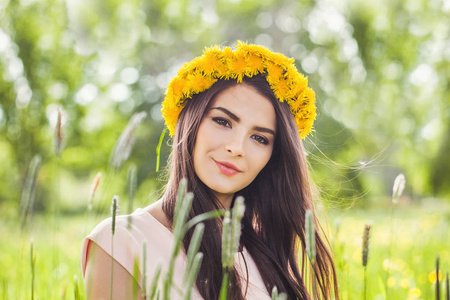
(58, 134)
(365, 244)
(398, 188)
(115, 208)
(124, 144)
(310, 232)
(94, 188)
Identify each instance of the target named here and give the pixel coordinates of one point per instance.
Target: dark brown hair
(276, 202)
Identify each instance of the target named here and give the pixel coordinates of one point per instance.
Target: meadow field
(418, 233)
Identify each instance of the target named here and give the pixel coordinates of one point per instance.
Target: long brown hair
(276, 201)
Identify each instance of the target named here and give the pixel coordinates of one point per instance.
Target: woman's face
(234, 141)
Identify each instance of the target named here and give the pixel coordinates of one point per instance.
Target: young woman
(237, 116)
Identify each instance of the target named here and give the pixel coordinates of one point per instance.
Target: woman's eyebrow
(229, 113)
(264, 129)
(237, 119)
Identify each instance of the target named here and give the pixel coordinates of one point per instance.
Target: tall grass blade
(365, 255)
(131, 186)
(158, 149)
(310, 237)
(438, 290)
(182, 208)
(114, 211)
(124, 144)
(447, 287)
(310, 232)
(397, 191)
(193, 248)
(203, 217)
(192, 275)
(136, 272)
(28, 193)
(33, 267)
(237, 213)
(154, 291)
(224, 289)
(76, 291)
(226, 240)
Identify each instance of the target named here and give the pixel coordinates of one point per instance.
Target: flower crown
(202, 72)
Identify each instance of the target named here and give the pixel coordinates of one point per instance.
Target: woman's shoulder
(131, 233)
(144, 224)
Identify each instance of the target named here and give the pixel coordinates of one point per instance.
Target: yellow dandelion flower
(238, 67)
(184, 70)
(209, 63)
(281, 89)
(176, 88)
(255, 64)
(228, 53)
(432, 276)
(215, 50)
(281, 60)
(275, 72)
(242, 60)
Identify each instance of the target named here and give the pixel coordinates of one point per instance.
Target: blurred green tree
(380, 71)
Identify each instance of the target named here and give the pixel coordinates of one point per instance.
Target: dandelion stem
(158, 149)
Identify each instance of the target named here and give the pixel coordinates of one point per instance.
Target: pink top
(128, 247)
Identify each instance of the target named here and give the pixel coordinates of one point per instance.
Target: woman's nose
(235, 146)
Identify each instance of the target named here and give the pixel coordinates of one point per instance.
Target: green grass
(421, 233)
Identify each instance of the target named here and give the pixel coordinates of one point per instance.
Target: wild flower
(433, 278)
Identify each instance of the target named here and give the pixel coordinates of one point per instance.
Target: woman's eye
(260, 139)
(222, 122)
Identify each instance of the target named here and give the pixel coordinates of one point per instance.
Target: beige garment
(128, 246)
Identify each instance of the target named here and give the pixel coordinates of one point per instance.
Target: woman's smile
(227, 169)
(234, 141)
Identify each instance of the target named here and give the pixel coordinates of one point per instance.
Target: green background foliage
(380, 70)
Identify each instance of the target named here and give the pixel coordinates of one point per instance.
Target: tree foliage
(380, 69)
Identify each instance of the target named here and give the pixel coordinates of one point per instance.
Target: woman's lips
(227, 168)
